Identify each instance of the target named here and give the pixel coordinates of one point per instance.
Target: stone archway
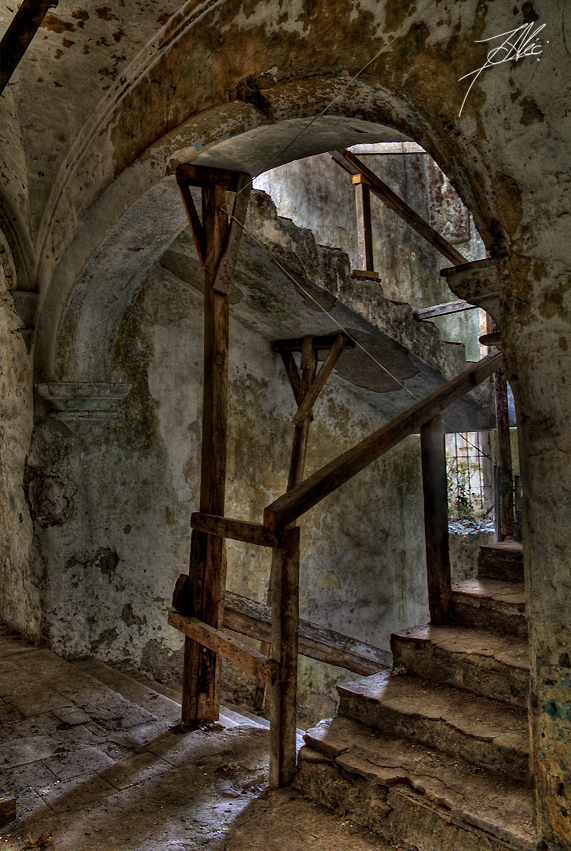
(507, 156)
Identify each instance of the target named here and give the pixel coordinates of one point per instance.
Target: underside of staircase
(434, 755)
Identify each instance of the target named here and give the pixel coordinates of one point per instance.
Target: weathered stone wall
(129, 484)
(20, 574)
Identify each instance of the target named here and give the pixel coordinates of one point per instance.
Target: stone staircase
(434, 755)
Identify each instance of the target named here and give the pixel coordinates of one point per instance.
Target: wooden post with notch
(217, 244)
(306, 388)
(364, 228)
(436, 520)
(284, 601)
(299, 448)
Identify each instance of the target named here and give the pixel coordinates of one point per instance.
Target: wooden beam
(196, 227)
(19, 35)
(236, 530)
(227, 263)
(301, 434)
(284, 596)
(442, 309)
(245, 657)
(251, 618)
(201, 671)
(406, 213)
(323, 342)
(293, 374)
(304, 496)
(318, 383)
(206, 176)
(364, 227)
(433, 458)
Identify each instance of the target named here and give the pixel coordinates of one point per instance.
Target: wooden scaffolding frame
(200, 597)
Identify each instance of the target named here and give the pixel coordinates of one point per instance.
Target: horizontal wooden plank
(236, 530)
(287, 508)
(248, 617)
(367, 276)
(324, 342)
(245, 657)
(442, 309)
(402, 209)
(200, 175)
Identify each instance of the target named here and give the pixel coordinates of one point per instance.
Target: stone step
(482, 732)
(411, 794)
(490, 604)
(494, 666)
(503, 561)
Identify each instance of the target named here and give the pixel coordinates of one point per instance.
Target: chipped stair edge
(478, 730)
(380, 780)
(477, 661)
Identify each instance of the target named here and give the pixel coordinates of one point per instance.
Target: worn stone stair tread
(499, 806)
(503, 561)
(492, 604)
(495, 589)
(480, 730)
(479, 661)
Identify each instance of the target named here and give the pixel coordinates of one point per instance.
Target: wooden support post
(318, 383)
(301, 435)
(201, 674)
(354, 166)
(436, 520)
(505, 474)
(284, 591)
(364, 229)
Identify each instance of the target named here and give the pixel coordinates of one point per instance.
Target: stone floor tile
(76, 762)
(70, 795)
(22, 751)
(137, 768)
(25, 777)
(8, 713)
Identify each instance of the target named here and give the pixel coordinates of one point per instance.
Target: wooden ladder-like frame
(199, 597)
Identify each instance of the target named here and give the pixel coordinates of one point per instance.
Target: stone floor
(95, 760)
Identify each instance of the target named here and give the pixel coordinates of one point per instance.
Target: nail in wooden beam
(436, 520)
(284, 591)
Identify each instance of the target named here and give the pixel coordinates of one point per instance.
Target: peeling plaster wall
(126, 488)
(20, 576)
